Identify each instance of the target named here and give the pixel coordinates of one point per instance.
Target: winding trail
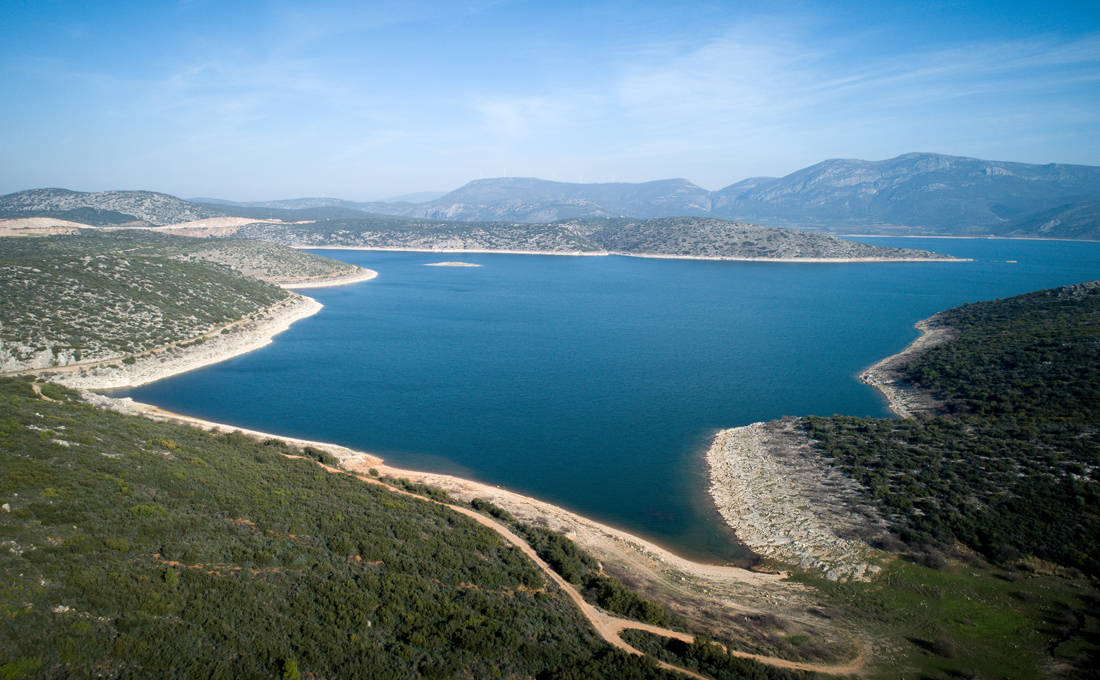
(608, 626)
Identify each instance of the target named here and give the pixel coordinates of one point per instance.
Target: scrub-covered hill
(132, 548)
(107, 296)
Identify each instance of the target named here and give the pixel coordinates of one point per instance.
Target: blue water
(596, 382)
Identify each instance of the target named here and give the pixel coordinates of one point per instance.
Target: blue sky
(266, 100)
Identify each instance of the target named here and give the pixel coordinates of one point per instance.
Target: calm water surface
(596, 382)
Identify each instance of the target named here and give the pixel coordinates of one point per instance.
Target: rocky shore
(885, 376)
(787, 505)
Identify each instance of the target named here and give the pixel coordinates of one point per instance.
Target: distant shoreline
(216, 345)
(973, 238)
(655, 256)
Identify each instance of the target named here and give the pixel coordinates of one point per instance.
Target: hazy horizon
(262, 101)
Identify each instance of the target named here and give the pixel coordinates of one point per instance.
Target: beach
(730, 600)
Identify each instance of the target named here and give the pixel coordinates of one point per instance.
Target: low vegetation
(703, 656)
(136, 548)
(1015, 469)
(683, 236)
(995, 502)
(583, 571)
(106, 295)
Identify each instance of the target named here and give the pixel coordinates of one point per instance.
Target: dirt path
(609, 627)
(732, 601)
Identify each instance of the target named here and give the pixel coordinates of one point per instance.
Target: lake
(596, 383)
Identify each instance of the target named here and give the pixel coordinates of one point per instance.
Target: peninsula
(689, 237)
(169, 509)
(982, 478)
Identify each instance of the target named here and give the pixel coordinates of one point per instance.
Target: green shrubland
(137, 548)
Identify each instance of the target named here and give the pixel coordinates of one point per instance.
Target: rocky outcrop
(787, 504)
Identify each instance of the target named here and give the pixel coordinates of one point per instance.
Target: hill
(673, 237)
(915, 193)
(141, 549)
(99, 298)
(525, 199)
(933, 192)
(998, 483)
(925, 192)
(146, 207)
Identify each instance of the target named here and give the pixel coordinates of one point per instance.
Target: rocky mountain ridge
(917, 193)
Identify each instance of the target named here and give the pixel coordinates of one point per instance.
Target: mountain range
(916, 193)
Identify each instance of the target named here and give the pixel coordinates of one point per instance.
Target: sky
(366, 101)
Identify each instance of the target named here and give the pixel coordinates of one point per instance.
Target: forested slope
(1014, 468)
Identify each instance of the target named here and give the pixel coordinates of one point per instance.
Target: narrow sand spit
(885, 376)
(785, 504)
(452, 264)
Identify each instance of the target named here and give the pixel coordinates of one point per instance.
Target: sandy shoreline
(730, 599)
(217, 345)
(652, 256)
(885, 375)
(359, 275)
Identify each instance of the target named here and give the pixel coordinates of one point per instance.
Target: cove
(596, 382)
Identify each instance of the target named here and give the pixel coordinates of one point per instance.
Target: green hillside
(1015, 470)
(139, 549)
(678, 236)
(101, 295)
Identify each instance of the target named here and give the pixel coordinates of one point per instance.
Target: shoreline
(726, 599)
(358, 276)
(654, 256)
(214, 346)
(973, 238)
(723, 597)
(884, 375)
(769, 488)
